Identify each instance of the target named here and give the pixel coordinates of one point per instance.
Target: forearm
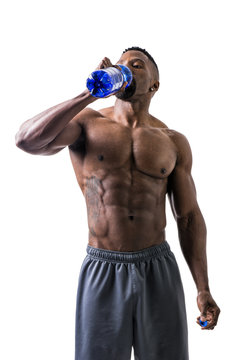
(192, 233)
(40, 130)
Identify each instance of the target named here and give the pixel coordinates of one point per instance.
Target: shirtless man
(130, 291)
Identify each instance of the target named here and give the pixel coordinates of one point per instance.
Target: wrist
(86, 96)
(203, 290)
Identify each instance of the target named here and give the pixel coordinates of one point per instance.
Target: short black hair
(137, 48)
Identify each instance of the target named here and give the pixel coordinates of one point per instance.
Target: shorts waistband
(129, 256)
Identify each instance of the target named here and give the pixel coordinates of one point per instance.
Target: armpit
(78, 145)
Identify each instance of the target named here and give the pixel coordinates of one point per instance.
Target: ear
(156, 85)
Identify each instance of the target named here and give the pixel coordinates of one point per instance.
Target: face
(144, 74)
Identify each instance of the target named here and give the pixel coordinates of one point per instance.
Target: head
(145, 74)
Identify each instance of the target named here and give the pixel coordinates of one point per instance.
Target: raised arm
(35, 134)
(192, 229)
(59, 126)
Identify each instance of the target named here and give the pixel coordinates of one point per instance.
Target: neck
(131, 114)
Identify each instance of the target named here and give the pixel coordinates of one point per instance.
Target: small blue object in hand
(203, 323)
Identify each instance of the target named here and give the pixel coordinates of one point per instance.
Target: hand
(105, 63)
(209, 310)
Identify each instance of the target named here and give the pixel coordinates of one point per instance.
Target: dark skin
(126, 161)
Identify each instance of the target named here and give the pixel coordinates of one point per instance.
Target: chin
(128, 92)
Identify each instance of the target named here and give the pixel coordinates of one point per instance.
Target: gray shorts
(131, 299)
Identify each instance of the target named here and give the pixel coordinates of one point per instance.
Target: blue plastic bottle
(104, 82)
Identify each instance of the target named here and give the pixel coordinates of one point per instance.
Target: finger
(198, 321)
(203, 328)
(212, 316)
(209, 320)
(100, 66)
(107, 60)
(209, 326)
(216, 312)
(104, 65)
(208, 314)
(107, 63)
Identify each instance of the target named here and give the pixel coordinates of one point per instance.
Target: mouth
(128, 92)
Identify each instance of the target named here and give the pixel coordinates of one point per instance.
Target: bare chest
(109, 146)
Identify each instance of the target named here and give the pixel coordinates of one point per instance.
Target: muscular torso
(123, 174)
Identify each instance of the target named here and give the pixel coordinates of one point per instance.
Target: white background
(48, 50)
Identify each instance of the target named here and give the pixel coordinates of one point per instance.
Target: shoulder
(184, 152)
(157, 123)
(107, 112)
(180, 140)
(86, 114)
(89, 113)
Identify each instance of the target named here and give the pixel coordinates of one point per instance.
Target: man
(130, 291)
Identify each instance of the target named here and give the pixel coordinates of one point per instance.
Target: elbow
(192, 222)
(22, 143)
(19, 141)
(185, 221)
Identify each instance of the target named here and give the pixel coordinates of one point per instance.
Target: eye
(137, 66)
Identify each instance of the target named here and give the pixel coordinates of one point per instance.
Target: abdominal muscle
(126, 212)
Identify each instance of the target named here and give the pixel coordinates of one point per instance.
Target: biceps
(182, 193)
(66, 137)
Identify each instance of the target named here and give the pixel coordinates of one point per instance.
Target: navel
(100, 157)
(131, 217)
(163, 170)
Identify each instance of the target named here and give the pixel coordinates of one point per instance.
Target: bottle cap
(203, 323)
